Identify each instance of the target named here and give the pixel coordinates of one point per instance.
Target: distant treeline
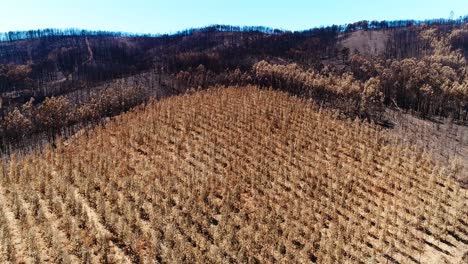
(360, 25)
(70, 32)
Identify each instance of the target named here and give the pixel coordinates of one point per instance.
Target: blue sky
(156, 16)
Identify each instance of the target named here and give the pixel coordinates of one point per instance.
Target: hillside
(54, 82)
(32, 60)
(237, 175)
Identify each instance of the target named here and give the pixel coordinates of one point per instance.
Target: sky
(168, 16)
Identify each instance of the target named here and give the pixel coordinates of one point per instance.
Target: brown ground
(446, 141)
(366, 42)
(235, 175)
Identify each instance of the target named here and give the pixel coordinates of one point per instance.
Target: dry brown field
(236, 175)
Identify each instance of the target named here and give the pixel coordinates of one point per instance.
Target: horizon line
(463, 19)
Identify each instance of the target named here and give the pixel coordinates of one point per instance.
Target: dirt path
(90, 52)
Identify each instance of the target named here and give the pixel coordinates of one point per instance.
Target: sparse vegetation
(338, 144)
(361, 68)
(231, 175)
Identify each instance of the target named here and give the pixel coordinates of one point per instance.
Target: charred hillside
(36, 58)
(359, 68)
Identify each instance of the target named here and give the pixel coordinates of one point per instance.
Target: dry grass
(231, 175)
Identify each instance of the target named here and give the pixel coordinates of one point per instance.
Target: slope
(231, 175)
